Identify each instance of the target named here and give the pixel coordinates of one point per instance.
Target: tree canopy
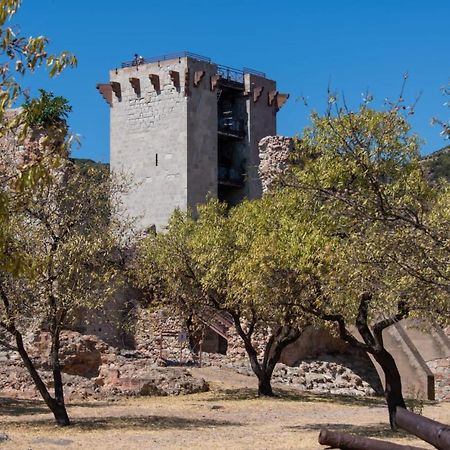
(230, 261)
(67, 237)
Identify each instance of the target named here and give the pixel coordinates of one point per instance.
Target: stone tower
(184, 128)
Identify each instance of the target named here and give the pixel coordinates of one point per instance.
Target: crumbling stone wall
(316, 362)
(274, 154)
(159, 336)
(93, 369)
(441, 371)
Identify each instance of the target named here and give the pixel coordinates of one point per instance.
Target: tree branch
(402, 312)
(252, 354)
(362, 319)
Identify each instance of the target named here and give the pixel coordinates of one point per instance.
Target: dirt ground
(228, 417)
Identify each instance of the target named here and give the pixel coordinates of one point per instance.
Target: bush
(47, 110)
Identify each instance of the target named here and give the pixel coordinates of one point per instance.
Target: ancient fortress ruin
(184, 128)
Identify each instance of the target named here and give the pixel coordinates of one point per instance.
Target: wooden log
(346, 441)
(435, 433)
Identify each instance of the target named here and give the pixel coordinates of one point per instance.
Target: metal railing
(254, 72)
(138, 60)
(236, 75)
(230, 74)
(225, 72)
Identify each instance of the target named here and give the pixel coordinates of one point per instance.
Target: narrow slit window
(156, 159)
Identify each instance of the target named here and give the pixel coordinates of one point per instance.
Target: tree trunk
(264, 385)
(374, 345)
(393, 384)
(264, 376)
(60, 414)
(59, 411)
(284, 336)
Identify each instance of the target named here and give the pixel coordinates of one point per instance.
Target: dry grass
(231, 416)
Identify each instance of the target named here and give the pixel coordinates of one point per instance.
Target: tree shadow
(297, 396)
(376, 430)
(20, 407)
(121, 422)
(10, 406)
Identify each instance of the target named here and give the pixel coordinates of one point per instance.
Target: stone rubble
(92, 369)
(339, 378)
(326, 374)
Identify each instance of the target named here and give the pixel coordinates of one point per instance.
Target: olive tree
(66, 236)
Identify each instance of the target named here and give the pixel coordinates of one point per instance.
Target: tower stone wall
(148, 140)
(201, 134)
(261, 123)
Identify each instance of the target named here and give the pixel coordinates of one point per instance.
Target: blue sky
(303, 45)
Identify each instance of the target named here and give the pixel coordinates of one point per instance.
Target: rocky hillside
(438, 163)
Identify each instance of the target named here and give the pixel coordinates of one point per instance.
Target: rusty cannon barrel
(347, 441)
(435, 433)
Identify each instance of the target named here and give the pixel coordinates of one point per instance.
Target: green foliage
(381, 244)
(367, 158)
(364, 171)
(227, 262)
(65, 239)
(63, 257)
(47, 110)
(19, 56)
(234, 261)
(281, 251)
(165, 268)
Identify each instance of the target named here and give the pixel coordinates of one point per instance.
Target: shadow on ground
(21, 407)
(297, 396)
(376, 430)
(128, 422)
